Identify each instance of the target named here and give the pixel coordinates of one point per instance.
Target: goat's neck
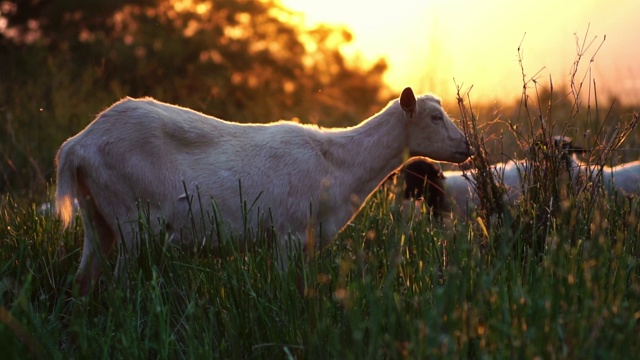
(366, 154)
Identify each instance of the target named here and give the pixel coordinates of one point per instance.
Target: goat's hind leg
(99, 240)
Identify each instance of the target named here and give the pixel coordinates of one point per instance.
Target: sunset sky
(428, 43)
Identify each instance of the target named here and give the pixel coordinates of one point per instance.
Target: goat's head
(430, 132)
(424, 180)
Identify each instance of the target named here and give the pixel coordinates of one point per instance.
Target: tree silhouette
(245, 59)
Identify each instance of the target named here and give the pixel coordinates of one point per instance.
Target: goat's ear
(408, 101)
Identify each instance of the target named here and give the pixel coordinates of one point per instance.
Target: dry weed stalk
(548, 183)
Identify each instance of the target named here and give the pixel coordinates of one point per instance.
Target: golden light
(190, 5)
(203, 8)
(428, 44)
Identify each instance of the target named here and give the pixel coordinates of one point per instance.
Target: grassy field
(555, 275)
(391, 286)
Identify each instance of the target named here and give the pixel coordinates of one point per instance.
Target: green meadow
(392, 285)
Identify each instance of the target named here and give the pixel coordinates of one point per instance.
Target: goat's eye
(437, 117)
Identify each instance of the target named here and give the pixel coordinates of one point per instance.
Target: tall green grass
(391, 286)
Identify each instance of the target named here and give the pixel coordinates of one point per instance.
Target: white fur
(509, 174)
(624, 178)
(301, 181)
(460, 186)
(461, 190)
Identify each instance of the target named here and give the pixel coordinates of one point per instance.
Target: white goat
(455, 190)
(458, 188)
(624, 178)
(460, 193)
(303, 182)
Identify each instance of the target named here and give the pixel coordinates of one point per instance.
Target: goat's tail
(66, 183)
